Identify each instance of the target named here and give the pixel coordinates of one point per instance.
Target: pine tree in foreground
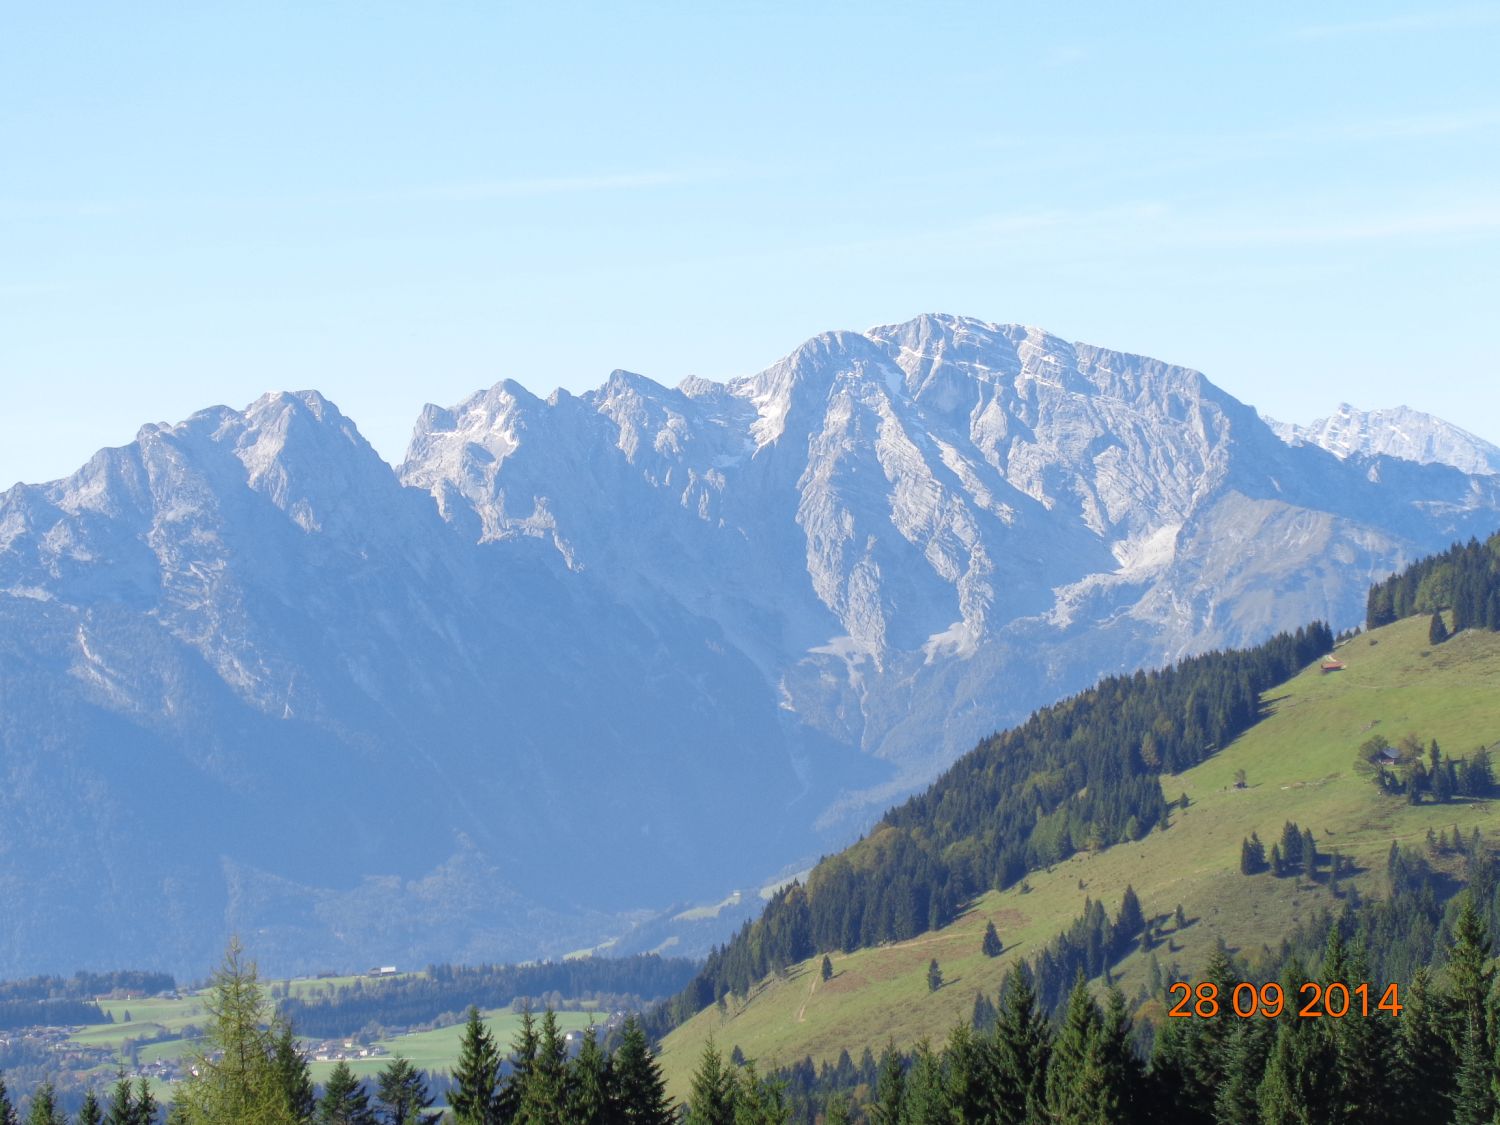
(890, 1089)
(544, 1101)
(44, 1109)
(7, 1110)
(476, 1076)
(402, 1092)
(344, 1100)
(1022, 1047)
(147, 1112)
(293, 1075)
(1078, 1086)
(590, 1095)
(121, 1103)
(711, 1097)
(640, 1092)
(89, 1113)
(234, 1078)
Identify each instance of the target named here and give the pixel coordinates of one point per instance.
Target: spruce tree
(121, 1102)
(640, 1092)
(1236, 1101)
(890, 1089)
(1470, 976)
(474, 1098)
(1437, 632)
(1473, 1097)
(293, 1075)
(825, 970)
(1078, 1084)
(1301, 1079)
(7, 1110)
(969, 1063)
(1122, 1068)
(344, 1101)
(1130, 921)
(544, 1100)
(759, 1101)
(1365, 1048)
(1424, 1058)
(90, 1113)
(590, 1082)
(711, 1095)
(1171, 1084)
(146, 1110)
(1022, 1048)
(926, 1099)
(44, 1109)
(991, 944)
(523, 1053)
(934, 976)
(402, 1091)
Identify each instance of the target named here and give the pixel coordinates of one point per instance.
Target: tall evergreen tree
(293, 1074)
(544, 1100)
(639, 1089)
(7, 1109)
(344, 1100)
(90, 1113)
(402, 1092)
(970, 1075)
(474, 1098)
(1022, 1049)
(234, 1078)
(1122, 1067)
(121, 1102)
(1236, 1101)
(711, 1095)
(1301, 1079)
(759, 1101)
(934, 976)
(926, 1099)
(1473, 1095)
(590, 1085)
(1078, 1084)
(44, 1109)
(1470, 977)
(1365, 1049)
(147, 1112)
(890, 1089)
(1424, 1058)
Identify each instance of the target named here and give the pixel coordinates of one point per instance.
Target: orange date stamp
(1246, 1000)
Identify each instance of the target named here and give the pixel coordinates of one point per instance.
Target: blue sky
(401, 203)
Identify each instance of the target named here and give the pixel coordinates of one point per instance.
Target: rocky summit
(582, 657)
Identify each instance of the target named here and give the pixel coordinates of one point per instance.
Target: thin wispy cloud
(1446, 19)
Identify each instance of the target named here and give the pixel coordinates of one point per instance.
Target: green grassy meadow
(1299, 766)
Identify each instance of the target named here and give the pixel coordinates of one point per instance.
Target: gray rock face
(1399, 432)
(583, 656)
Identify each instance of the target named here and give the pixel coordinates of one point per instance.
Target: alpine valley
(581, 658)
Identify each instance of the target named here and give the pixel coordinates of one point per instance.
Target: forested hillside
(1464, 579)
(1083, 773)
(1288, 857)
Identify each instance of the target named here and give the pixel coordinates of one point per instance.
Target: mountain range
(582, 657)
